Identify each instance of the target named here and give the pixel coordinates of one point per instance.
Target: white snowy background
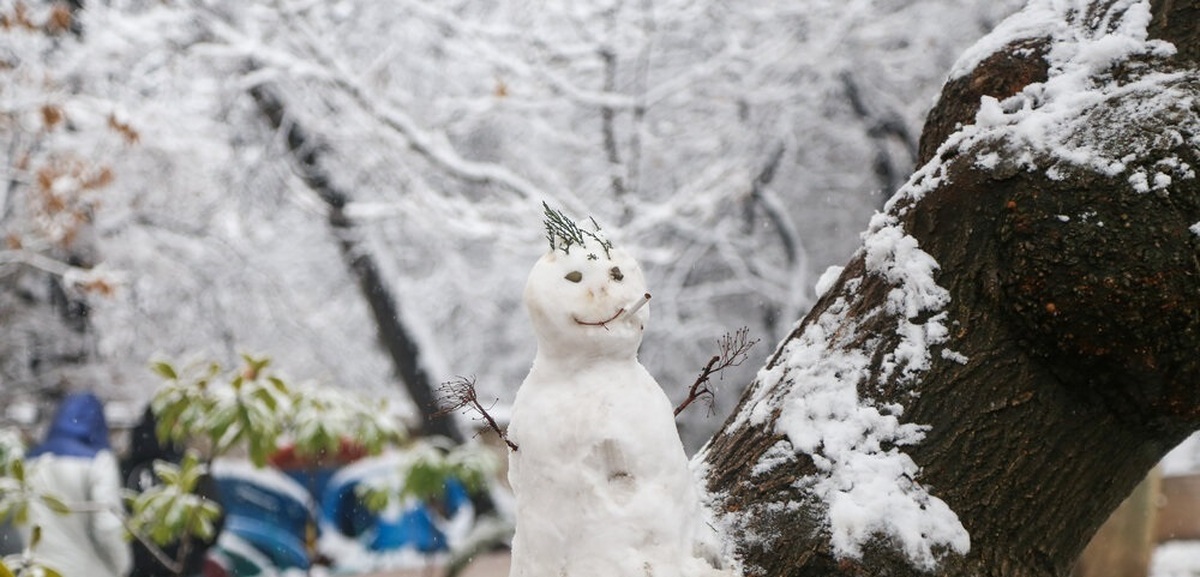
(447, 123)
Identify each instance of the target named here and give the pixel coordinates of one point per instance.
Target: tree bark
(1080, 342)
(396, 339)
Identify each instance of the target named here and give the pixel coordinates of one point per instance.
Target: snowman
(601, 479)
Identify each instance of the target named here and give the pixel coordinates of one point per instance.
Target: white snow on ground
(1176, 559)
(1179, 558)
(869, 486)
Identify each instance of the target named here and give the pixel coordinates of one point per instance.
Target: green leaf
(260, 449)
(424, 481)
(254, 366)
(55, 504)
(48, 572)
(209, 509)
(165, 370)
(168, 419)
(266, 398)
(4, 570)
(166, 471)
(18, 471)
(202, 528)
(375, 499)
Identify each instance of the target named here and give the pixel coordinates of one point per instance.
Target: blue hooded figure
(78, 429)
(75, 464)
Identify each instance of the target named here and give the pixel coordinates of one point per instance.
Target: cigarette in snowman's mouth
(637, 305)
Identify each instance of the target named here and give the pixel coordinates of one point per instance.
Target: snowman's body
(601, 479)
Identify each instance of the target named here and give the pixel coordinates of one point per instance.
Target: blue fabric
(415, 527)
(268, 518)
(78, 429)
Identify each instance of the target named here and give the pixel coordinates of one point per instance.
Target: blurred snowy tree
(58, 150)
(727, 144)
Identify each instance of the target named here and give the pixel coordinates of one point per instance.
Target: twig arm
(735, 348)
(460, 394)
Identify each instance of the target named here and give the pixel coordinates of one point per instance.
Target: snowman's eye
(615, 273)
(574, 276)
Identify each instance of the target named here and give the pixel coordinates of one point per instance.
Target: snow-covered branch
(36, 260)
(433, 147)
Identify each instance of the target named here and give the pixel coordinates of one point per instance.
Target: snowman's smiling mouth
(603, 323)
(637, 305)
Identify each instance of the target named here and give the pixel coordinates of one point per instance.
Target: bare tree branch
(38, 261)
(734, 351)
(460, 394)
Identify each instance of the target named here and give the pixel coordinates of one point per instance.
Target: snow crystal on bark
(1059, 123)
(865, 480)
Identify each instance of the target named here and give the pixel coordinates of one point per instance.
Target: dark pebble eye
(574, 276)
(615, 273)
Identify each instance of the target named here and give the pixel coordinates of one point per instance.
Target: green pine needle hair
(563, 233)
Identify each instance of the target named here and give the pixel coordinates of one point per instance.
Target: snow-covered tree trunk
(1015, 344)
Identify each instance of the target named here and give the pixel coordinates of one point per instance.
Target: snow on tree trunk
(1014, 345)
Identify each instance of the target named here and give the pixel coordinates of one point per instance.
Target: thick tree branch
(1063, 362)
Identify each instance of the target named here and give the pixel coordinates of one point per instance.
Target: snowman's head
(584, 299)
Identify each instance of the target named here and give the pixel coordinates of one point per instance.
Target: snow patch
(270, 478)
(954, 356)
(1054, 119)
(1161, 181)
(893, 254)
(827, 280)
(866, 482)
(1176, 559)
(988, 161)
(1036, 20)
(780, 453)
